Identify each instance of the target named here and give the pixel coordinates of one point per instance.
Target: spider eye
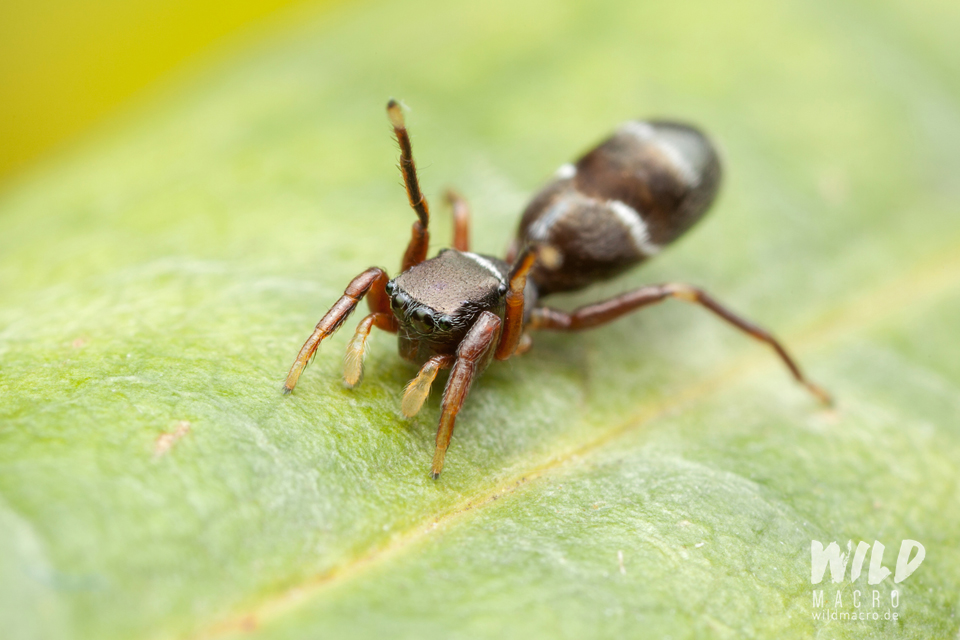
(423, 320)
(390, 287)
(444, 323)
(502, 289)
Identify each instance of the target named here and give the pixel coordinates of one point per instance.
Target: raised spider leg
(473, 355)
(370, 283)
(416, 251)
(602, 312)
(461, 220)
(419, 388)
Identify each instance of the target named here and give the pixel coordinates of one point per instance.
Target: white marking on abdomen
(629, 217)
(642, 131)
(486, 264)
(633, 221)
(687, 173)
(540, 230)
(646, 134)
(566, 171)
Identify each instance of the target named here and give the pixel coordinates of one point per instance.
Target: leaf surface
(659, 476)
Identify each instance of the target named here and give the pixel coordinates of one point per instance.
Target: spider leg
(594, 315)
(513, 316)
(419, 388)
(416, 251)
(461, 220)
(356, 350)
(370, 283)
(473, 354)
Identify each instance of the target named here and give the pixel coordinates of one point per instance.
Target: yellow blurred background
(67, 64)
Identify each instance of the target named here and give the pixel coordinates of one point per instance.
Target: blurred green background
(66, 65)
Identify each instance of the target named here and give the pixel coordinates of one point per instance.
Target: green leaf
(661, 476)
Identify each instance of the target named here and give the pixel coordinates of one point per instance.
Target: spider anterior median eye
(423, 319)
(423, 315)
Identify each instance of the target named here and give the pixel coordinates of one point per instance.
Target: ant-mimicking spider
(617, 206)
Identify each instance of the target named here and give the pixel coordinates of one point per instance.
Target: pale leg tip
(353, 358)
(410, 407)
(437, 465)
(821, 394)
(287, 390)
(417, 390)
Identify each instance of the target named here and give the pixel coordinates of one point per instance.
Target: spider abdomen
(621, 203)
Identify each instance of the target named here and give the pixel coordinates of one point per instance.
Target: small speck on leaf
(167, 440)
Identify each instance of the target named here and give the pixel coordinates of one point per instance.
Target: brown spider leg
(370, 282)
(473, 355)
(461, 220)
(513, 316)
(602, 312)
(419, 388)
(356, 349)
(416, 251)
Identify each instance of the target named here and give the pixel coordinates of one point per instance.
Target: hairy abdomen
(622, 202)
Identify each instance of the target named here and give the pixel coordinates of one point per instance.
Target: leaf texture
(661, 476)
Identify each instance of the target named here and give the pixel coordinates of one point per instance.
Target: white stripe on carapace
(486, 264)
(633, 221)
(645, 133)
(566, 171)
